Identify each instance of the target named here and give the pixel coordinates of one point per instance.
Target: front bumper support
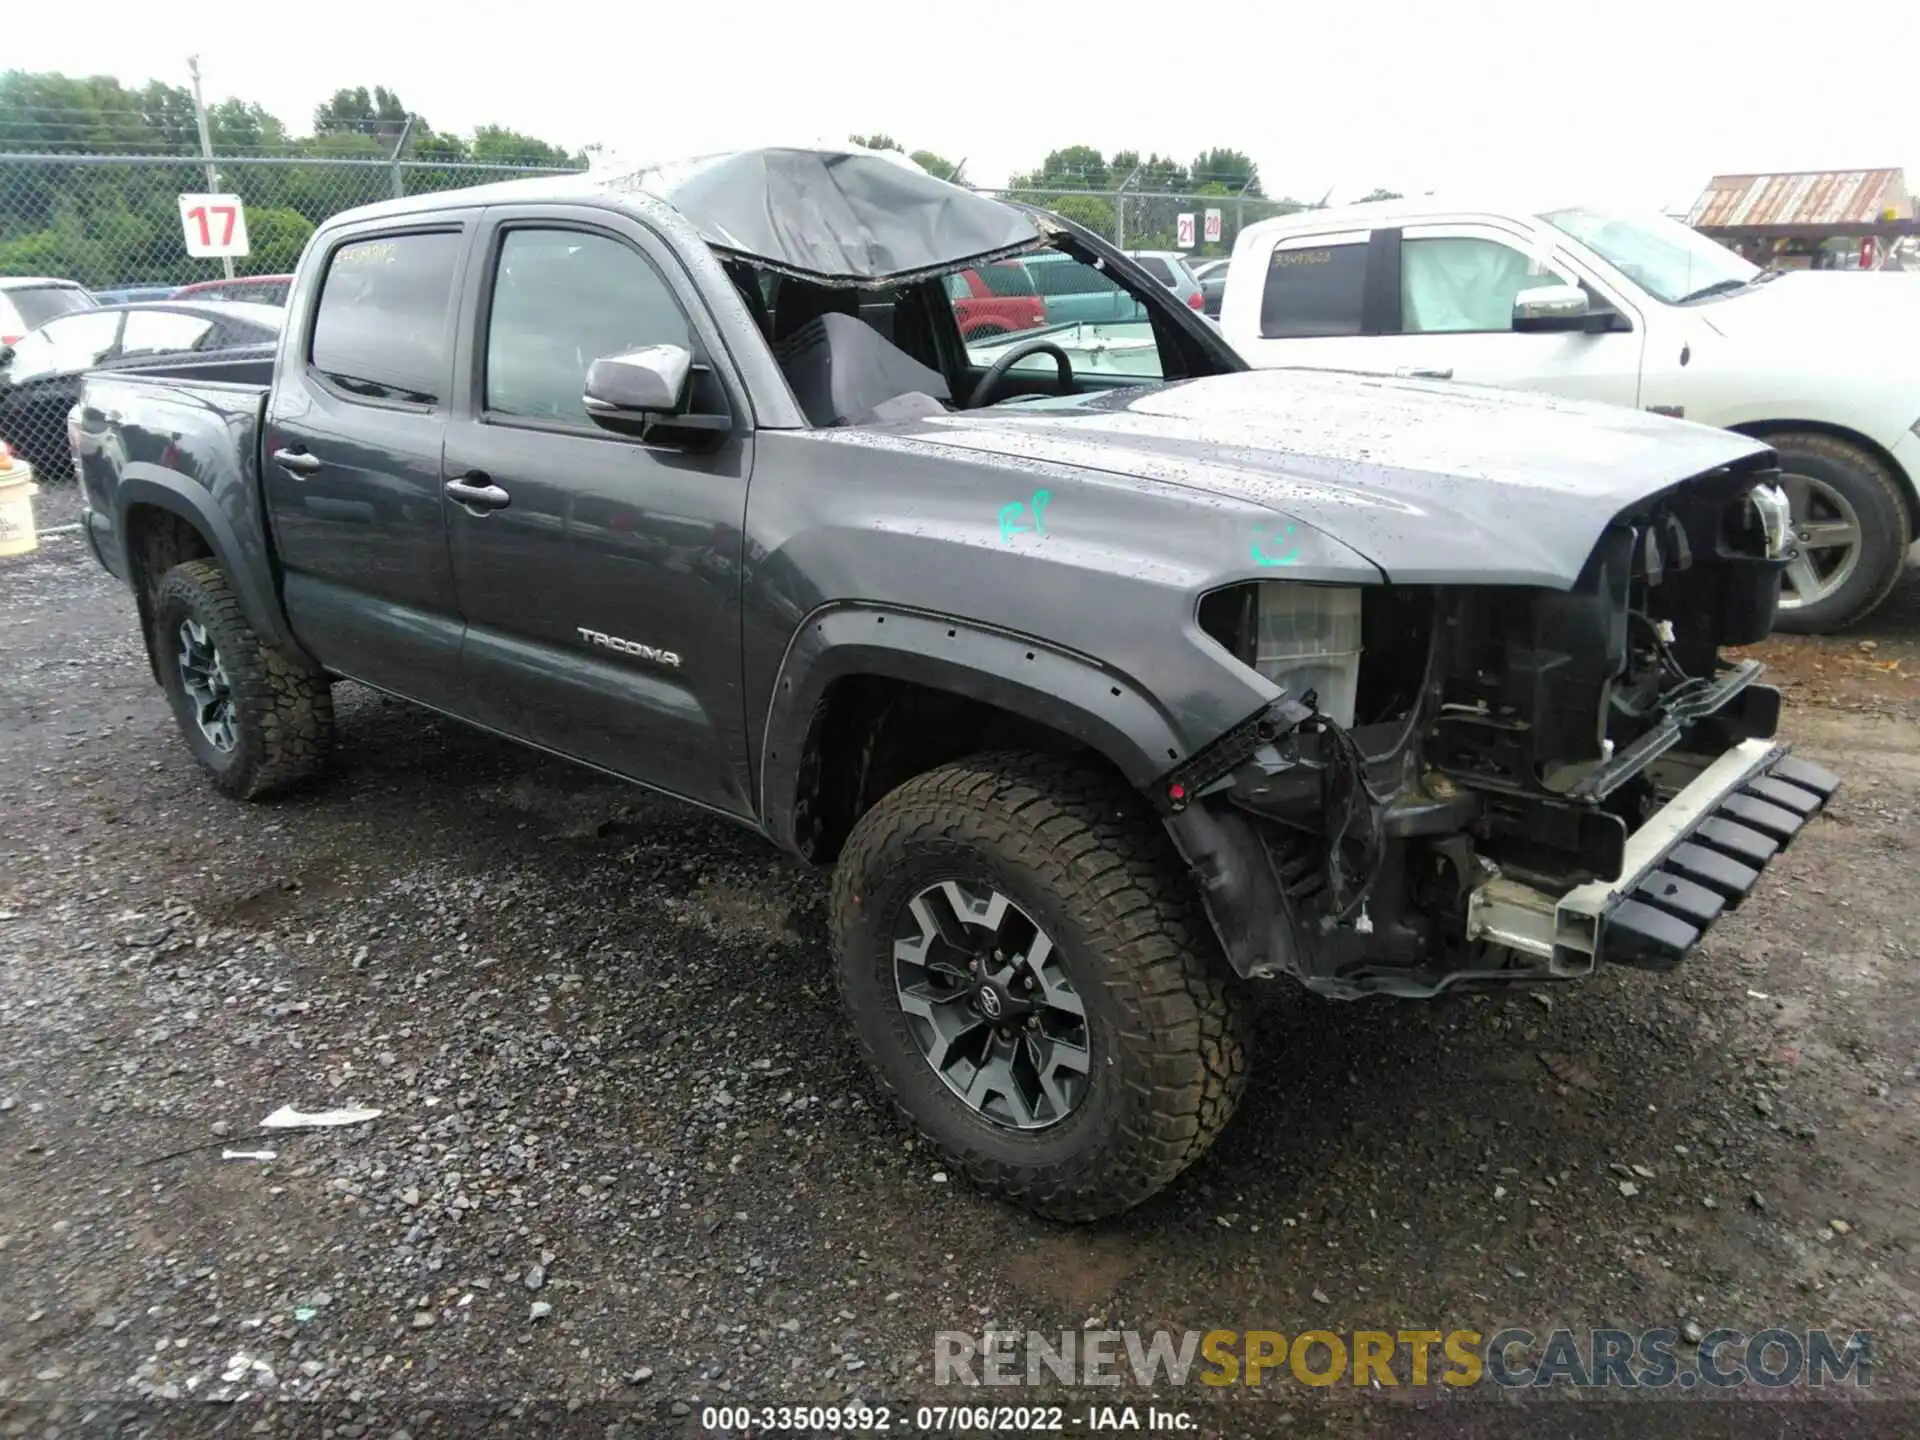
(1699, 855)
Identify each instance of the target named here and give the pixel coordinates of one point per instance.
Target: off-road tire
(1082, 855)
(283, 706)
(1885, 527)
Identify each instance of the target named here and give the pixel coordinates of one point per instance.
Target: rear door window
(381, 329)
(1314, 288)
(1156, 267)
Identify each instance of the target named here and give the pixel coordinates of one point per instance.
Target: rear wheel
(1031, 982)
(259, 721)
(1851, 532)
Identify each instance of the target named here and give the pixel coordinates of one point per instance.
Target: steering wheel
(984, 392)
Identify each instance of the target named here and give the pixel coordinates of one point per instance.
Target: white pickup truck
(1632, 309)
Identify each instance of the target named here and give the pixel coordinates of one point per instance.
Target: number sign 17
(213, 225)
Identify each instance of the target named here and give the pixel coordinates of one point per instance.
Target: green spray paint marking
(1260, 542)
(1011, 515)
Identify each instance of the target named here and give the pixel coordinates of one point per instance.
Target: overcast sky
(1634, 101)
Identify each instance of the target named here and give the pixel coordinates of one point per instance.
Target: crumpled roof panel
(845, 218)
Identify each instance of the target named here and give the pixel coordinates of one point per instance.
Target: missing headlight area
(1442, 740)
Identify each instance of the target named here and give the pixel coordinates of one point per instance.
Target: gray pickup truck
(1103, 698)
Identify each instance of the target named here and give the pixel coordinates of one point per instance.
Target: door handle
(296, 461)
(1418, 372)
(477, 492)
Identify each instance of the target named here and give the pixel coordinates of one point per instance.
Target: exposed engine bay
(1454, 772)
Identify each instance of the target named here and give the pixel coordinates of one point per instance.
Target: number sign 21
(213, 225)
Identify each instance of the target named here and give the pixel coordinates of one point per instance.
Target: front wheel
(1851, 533)
(1031, 982)
(258, 720)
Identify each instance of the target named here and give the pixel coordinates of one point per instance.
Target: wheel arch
(1909, 494)
(868, 696)
(164, 520)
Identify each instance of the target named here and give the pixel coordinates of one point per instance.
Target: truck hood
(1433, 483)
(1856, 321)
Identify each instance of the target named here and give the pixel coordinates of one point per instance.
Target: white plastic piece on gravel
(288, 1118)
(249, 1154)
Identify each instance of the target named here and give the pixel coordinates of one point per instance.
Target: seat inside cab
(870, 355)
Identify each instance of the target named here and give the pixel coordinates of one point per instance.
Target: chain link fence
(113, 221)
(1150, 219)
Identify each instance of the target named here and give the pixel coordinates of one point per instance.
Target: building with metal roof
(1802, 217)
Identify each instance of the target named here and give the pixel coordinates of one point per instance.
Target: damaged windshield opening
(885, 294)
(1050, 322)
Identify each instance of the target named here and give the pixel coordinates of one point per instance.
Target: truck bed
(186, 445)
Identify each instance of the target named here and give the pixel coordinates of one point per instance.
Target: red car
(1000, 302)
(261, 289)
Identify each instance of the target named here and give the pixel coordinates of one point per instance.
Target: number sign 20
(213, 225)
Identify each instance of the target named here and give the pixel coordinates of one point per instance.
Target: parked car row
(40, 371)
(257, 289)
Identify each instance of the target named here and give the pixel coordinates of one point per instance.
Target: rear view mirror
(646, 382)
(645, 393)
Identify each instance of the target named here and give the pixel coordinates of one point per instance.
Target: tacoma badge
(629, 647)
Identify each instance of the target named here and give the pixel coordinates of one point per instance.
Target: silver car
(1169, 267)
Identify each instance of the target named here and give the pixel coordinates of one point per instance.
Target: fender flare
(250, 574)
(1063, 689)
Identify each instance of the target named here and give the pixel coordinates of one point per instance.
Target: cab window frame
(480, 332)
(460, 231)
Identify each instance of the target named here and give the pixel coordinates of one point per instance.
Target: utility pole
(1120, 208)
(399, 150)
(206, 144)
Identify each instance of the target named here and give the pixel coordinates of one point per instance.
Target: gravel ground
(628, 1159)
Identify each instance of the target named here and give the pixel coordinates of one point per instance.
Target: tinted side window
(1156, 267)
(381, 326)
(561, 300)
(1314, 291)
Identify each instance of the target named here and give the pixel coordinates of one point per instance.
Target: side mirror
(646, 382)
(642, 393)
(1552, 307)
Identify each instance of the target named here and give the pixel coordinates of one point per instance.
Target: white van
(1632, 309)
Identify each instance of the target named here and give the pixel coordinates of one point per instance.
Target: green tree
(497, 145)
(934, 164)
(105, 224)
(275, 237)
(356, 111)
(1076, 167)
(1093, 211)
(1233, 169)
(1373, 195)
